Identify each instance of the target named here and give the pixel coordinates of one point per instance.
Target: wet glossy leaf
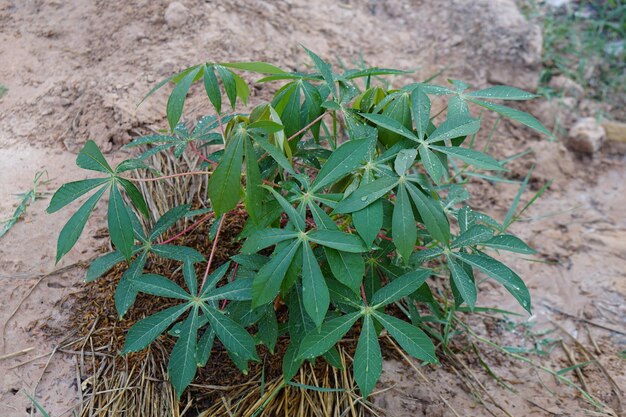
(368, 361)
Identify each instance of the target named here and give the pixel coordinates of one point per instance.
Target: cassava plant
(355, 198)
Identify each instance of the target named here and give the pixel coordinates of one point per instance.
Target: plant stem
(199, 155)
(305, 128)
(189, 229)
(180, 174)
(363, 294)
(213, 248)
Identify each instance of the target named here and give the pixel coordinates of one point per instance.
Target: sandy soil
(76, 70)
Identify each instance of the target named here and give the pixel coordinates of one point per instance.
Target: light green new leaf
(267, 281)
(255, 66)
(234, 337)
(510, 243)
(314, 289)
(338, 240)
(432, 214)
(347, 267)
(366, 195)
(265, 238)
(400, 287)
(92, 159)
(502, 92)
(176, 100)
(160, 286)
(146, 330)
(472, 157)
(501, 273)
(183, 362)
(71, 191)
(517, 115)
(464, 283)
(342, 161)
(120, 226)
(403, 228)
(413, 340)
(75, 225)
(225, 183)
(317, 343)
(368, 360)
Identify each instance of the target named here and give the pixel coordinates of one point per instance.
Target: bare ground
(77, 69)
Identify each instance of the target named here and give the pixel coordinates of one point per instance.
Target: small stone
(566, 86)
(586, 136)
(176, 15)
(615, 131)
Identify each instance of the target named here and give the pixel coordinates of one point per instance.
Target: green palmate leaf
(212, 88)
(269, 278)
(238, 290)
(230, 85)
(342, 161)
(403, 229)
(135, 196)
(225, 183)
(325, 70)
(177, 99)
(103, 264)
(295, 217)
(120, 226)
(177, 253)
(517, 115)
(243, 91)
(276, 154)
(432, 214)
(71, 191)
(368, 222)
(501, 273)
(160, 286)
(314, 289)
(183, 361)
(458, 107)
(420, 108)
(268, 329)
(347, 267)
(234, 337)
(473, 236)
(205, 344)
(464, 283)
(214, 278)
(455, 127)
(255, 66)
(404, 160)
(254, 193)
(265, 238)
(337, 240)
(317, 343)
(92, 159)
(502, 92)
(472, 157)
(291, 363)
(400, 287)
(145, 331)
(366, 195)
(509, 243)
(414, 341)
(191, 279)
(75, 225)
(131, 164)
(368, 360)
(126, 291)
(389, 124)
(433, 164)
(168, 220)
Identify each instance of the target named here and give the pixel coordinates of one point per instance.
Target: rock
(615, 131)
(557, 114)
(176, 15)
(566, 86)
(586, 136)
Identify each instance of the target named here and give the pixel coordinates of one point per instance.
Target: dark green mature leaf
(131, 164)
(255, 66)
(177, 253)
(269, 278)
(191, 279)
(509, 243)
(338, 240)
(342, 161)
(265, 238)
(404, 160)
(75, 225)
(126, 291)
(291, 363)
(135, 196)
(254, 192)
(432, 214)
(238, 290)
(455, 127)
(230, 85)
(276, 154)
(347, 267)
(205, 344)
(400, 287)
(366, 195)
(316, 343)
(71, 191)
(420, 109)
(295, 217)
(502, 92)
(120, 226)
(517, 115)
(403, 229)
(92, 159)
(268, 329)
(325, 70)
(103, 264)
(473, 236)
(212, 88)
(433, 165)
(390, 124)
(146, 330)
(160, 286)
(472, 157)
(368, 360)
(413, 340)
(368, 222)
(234, 337)
(225, 183)
(168, 220)
(501, 273)
(464, 283)
(183, 361)
(176, 100)
(314, 289)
